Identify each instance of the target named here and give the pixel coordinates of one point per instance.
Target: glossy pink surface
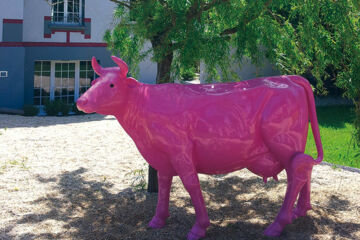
(183, 130)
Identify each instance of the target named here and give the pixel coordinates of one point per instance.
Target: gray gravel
(66, 178)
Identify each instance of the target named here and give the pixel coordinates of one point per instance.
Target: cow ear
(131, 82)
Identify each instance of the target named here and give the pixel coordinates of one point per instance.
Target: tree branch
(192, 13)
(177, 45)
(162, 2)
(52, 4)
(275, 17)
(122, 3)
(246, 22)
(212, 4)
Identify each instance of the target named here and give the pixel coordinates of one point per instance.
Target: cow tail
(312, 115)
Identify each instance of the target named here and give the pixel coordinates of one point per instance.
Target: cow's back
(230, 122)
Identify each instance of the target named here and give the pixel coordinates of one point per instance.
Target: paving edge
(350, 169)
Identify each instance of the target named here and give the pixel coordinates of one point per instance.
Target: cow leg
(192, 185)
(303, 203)
(162, 209)
(298, 173)
(181, 160)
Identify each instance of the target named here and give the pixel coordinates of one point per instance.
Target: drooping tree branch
(193, 12)
(122, 3)
(233, 30)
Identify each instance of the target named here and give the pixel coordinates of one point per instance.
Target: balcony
(67, 23)
(69, 19)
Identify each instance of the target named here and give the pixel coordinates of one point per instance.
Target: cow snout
(81, 103)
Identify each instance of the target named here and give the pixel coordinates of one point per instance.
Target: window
(61, 80)
(65, 81)
(87, 75)
(3, 74)
(41, 82)
(66, 11)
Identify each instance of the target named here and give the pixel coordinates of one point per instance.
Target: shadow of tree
(335, 116)
(90, 209)
(337, 204)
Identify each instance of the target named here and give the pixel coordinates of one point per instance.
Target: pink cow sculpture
(182, 130)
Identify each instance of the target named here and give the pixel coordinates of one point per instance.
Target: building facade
(46, 47)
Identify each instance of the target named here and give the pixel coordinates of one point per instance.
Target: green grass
(336, 131)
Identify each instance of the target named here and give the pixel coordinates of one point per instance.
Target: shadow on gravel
(89, 210)
(16, 121)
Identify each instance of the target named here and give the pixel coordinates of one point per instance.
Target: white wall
(34, 12)
(147, 69)
(101, 13)
(12, 9)
(246, 71)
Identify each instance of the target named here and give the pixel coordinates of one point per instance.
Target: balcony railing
(67, 19)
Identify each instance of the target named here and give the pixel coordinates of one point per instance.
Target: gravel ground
(66, 178)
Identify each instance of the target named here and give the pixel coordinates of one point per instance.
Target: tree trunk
(163, 76)
(164, 70)
(152, 180)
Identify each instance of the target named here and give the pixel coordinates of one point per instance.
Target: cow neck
(129, 116)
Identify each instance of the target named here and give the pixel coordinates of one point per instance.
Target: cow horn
(123, 66)
(96, 66)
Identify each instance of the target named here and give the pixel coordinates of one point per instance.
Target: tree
(318, 38)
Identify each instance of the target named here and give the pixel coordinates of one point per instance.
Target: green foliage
(336, 129)
(357, 124)
(188, 73)
(54, 108)
(138, 181)
(30, 110)
(314, 37)
(320, 38)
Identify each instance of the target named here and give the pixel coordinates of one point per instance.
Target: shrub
(188, 73)
(30, 110)
(64, 108)
(53, 108)
(138, 178)
(357, 123)
(76, 110)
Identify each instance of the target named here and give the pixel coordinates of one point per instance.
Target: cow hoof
(156, 222)
(274, 230)
(196, 232)
(300, 212)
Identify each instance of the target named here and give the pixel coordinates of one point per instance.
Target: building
(46, 47)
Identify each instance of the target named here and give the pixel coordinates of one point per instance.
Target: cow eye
(111, 85)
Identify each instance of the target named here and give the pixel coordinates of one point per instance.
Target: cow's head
(109, 91)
